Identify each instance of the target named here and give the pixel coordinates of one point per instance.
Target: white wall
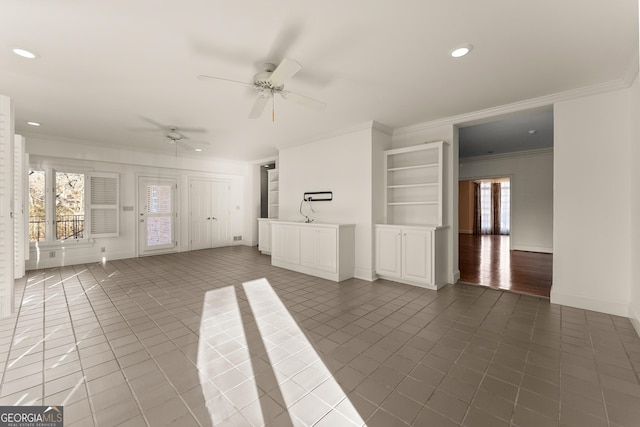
(129, 165)
(592, 207)
(341, 164)
(531, 176)
(634, 306)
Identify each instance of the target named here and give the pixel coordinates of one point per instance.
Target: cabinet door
(264, 236)
(318, 248)
(416, 255)
(308, 247)
(388, 251)
(327, 249)
(285, 243)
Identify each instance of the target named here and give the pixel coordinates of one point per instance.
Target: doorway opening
(505, 197)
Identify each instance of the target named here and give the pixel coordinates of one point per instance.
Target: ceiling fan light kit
(271, 81)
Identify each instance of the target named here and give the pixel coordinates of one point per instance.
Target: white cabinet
(388, 251)
(414, 183)
(264, 235)
(285, 243)
(318, 248)
(411, 254)
(322, 250)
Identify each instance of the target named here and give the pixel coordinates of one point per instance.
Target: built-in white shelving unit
(413, 182)
(411, 247)
(273, 198)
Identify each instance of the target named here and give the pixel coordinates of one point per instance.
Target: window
(493, 206)
(69, 216)
(505, 207)
(37, 212)
(79, 205)
(485, 207)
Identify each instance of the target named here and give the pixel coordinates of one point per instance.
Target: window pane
(158, 199)
(485, 207)
(505, 209)
(69, 205)
(37, 191)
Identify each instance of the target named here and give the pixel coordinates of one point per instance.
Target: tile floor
(196, 339)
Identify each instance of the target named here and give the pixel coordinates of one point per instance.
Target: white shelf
(406, 168)
(274, 191)
(426, 184)
(414, 184)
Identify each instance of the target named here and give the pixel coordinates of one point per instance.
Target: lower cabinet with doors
(264, 235)
(415, 255)
(322, 250)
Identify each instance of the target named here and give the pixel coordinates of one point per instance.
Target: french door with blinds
(156, 215)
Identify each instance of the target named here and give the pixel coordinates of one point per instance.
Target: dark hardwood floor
(486, 260)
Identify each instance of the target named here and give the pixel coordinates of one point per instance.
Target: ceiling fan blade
(153, 122)
(302, 100)
(284, 71)
(203, 76)
(191, 130)
(258, 106)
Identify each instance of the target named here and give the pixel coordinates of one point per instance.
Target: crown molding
(368, 125)
(540, 102)
(382, 128)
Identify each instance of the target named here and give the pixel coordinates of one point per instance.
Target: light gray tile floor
(198, 339)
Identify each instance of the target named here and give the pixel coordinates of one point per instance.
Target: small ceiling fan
(174, 135)
(178, 139)
(270, 82)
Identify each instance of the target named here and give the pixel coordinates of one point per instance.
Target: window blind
(103, 204)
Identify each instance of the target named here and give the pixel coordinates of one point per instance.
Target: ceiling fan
(270, 82)
(174, 135)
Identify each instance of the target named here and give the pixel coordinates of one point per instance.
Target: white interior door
(156, 214)
(210, 215)
(200, 214)
(220, 214)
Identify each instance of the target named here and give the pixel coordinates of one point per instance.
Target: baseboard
(365, 274)
(634, 317)
(61, 261)
(454, 277)
(617, 308)
(532, 249)
(465, 231)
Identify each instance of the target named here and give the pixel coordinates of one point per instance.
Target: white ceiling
(529, 130)
(108, 69)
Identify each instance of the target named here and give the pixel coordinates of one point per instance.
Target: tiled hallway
(195, 339)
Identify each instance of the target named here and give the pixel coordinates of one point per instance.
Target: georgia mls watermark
(31, 416)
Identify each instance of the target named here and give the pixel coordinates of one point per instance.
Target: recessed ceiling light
(532, 131)
(33, 123)
(24, 53)
(461, 50)
(198, 149)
